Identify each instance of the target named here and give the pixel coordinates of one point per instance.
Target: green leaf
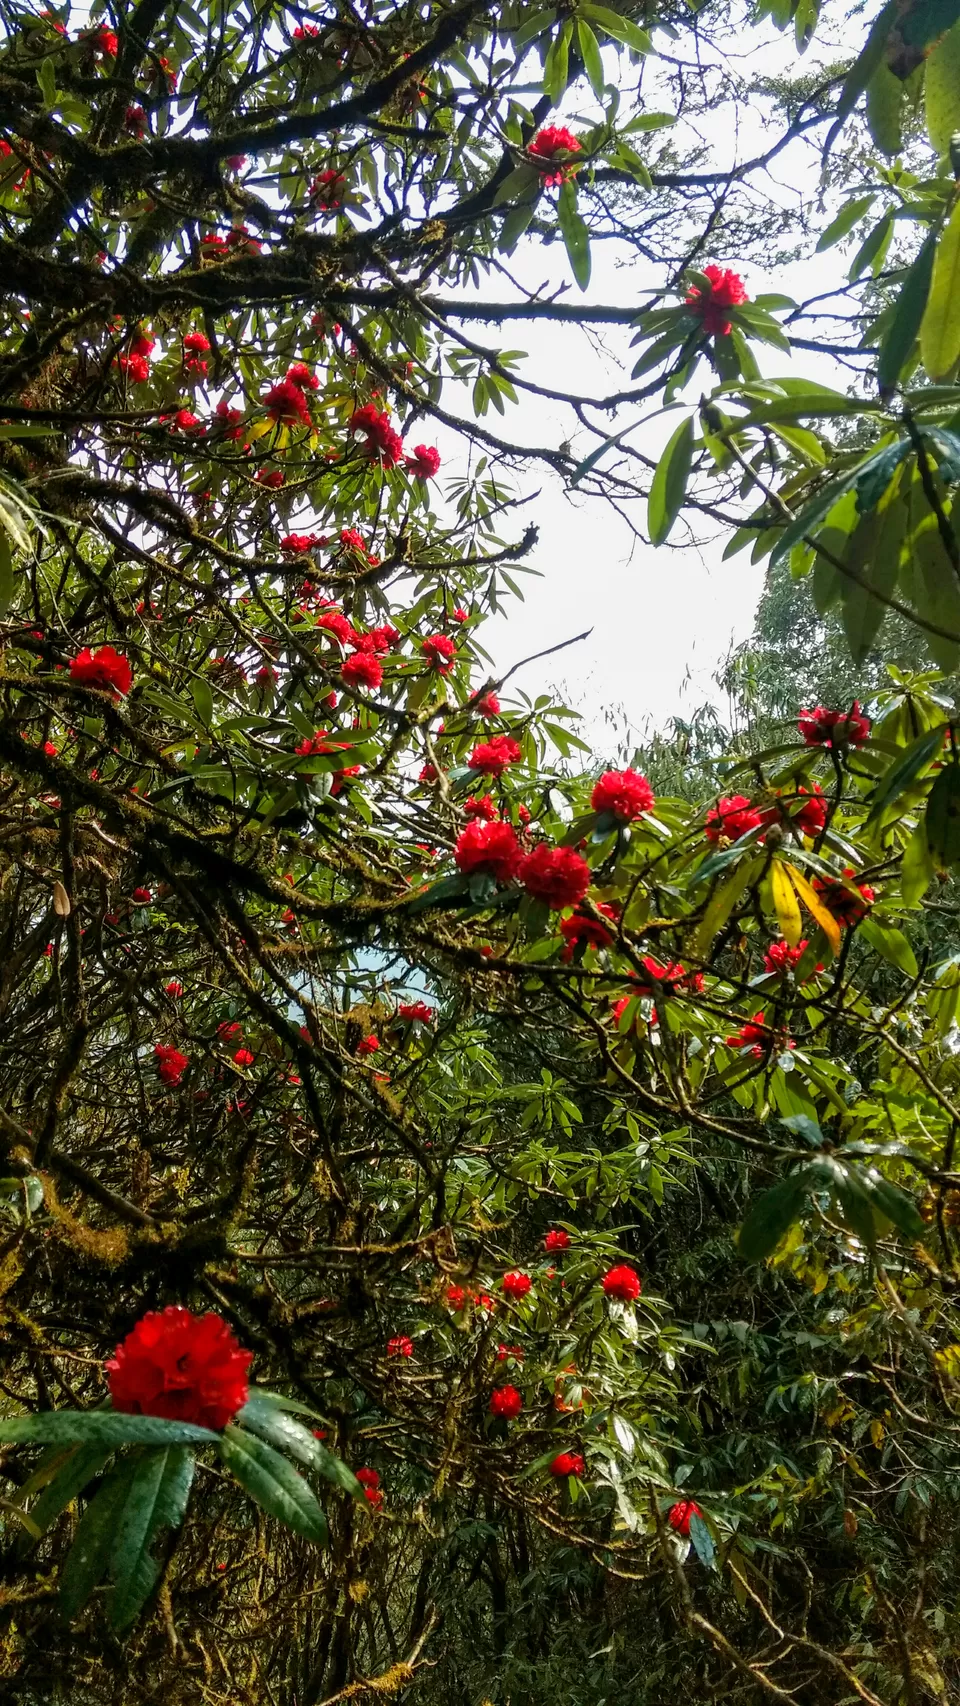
(100, 1427)
(874, 554)
(47, 79)
(873, 249)
(925, 20)
(885, 96)
(772, 1215)
(77, 1468)
(556, 69)
(575, 234)
(845, 220)
(865, 64)
(854, 1198)
(890, 944)
(936, 593)
(590, 54)
(669, 485)
(941, 90)
(272, 1424)
(942, 821)
(940, 326)
(703, 1542)
(899, 1207)
(203, 699)
(904, 328)
(87, 1560)
(156, 1498)
(917, 868)
(273, 1483)
(905, 771)
(621, 29)
(6, 574)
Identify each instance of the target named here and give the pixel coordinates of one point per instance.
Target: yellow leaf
(877, 1432)
(815, 907)
(785, 904)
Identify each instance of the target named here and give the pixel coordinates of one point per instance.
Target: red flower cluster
(327, 189)
(270, 477)
(678, 1516)
(367, 1046)
(228, 421)
(171, 1064)
(811, 817)
(174, 989)
(362, 669)
(622, 793)
(556, 875)
(439, 651)
(488, 705)
(136, 363)
(780, 957)
(370, 1482)
(491, 757)
(415, 1012)
(623, 1283)
(307, 32)
(758, 1037)
(424, 463)
(286, 404)
(489, 848)
(821, 727)
(731, 818)
(516, 1284)
(506, 1401)
(579, 929)
(185, 1367)
(556, 1239)
(553, 141)
(484, 807)
(382, 441)
(135, 121)
(184, 420)
(567, 1463)
(228, 1029)
(710, 306)
(104, 42)
(299, 374)
(294, 544)
(104, 668)
(400, 1346)
(243, 1057)
(847, 906)
(195, 345)
(141, 897)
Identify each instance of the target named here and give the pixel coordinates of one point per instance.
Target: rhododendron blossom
(679, 1516)
(506, 1401)
(710, 306)
(758, 1038)
(362, 669)
(622, 793)
(105, 668)
(780, 957)
(622, 1283)
(491, 757)
(847, 904)
(488, 705)
(400, 1346)
(243, 1057)
(367, 1046)
(567, 1463)
(484, 807)
(185, 1367)
(581, 931)
(439, 651)
(415, 1012)
(424, 463)
(556, 1239)
(556, 875)
(382, 441)
(547, 150)
(171, 1064)
(490, 849)
(732, 818)
(328, 189)
(821, 727)
(286, 404)
(516, 1284)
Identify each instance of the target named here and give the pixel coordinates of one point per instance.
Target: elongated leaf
(77, 1469)
(285, 1434)
(6, 574)
(885, 100)
(772, 1215)
(621, 29)
(904, 771)
(899, 1207)
(590, 54)
(156, 1498)
(575, 235)
(273, 1483)
(904, 329)
(940, 327)
(785, 904)
(87, 1560)
(865, 64)
(873, 553)
(814, 905)
(936, 593)
(100, 1427)
(854, 1198)
(917, 868)
(723, 901)
(941, 90)
(942, 822)
(873, 248)
(703, 1542)
(670, 483)
(891, 944)
(845, 220)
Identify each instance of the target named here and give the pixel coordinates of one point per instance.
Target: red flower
(484, 808)
(374, 1498)
(461, 615)
(187, 1368)
(362, 670)
(103, 41)
(351, 540)
(327, 189)
(339, 625)
(556, 875)
(556, 1239)
(415, 1012)
(516, 1284)
(136, 368)
(758, 1037)
(367, 1046)
(439, 651)
(846, 906)
(732, 818)
(401, 1346)
(306, 32)
(811, 818)
(488, 705)
(678, 1516)
(272, 478)
(229, 420)
(489, 848)
(567, 1463)
(294, 544)
(382, 441)
(174, 988)
(578, 928)
(505, 1401)
(243, 1057)
(368, 1478)
(780, 957)
(623, 793)
(383, 638)
(141, 897)
(622, 1282)
(228, 1029)
(554, 140)
(104, 668)
(196, 343)
(299, 373)
(135, 121)
(424, 462)
(171, 1064)
(506, 1351)
(428, 774)
(456, 1297)
(821, 727)
(492, 757)
(286, 404)
(726, 291)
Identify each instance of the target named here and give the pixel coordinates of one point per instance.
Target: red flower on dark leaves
(415, 1012)
(556, 875)
(622, 793)
(758, 1037)
(456, 1297)
(567, 1463)
(424, 463)
(623, 1283)
(847, 904)
(821, 727)
(368, 1477)
(243, 1057)
(270, 477)
(174, 989)
(483, 808)
(400, 1346)
(228, 421)
(548, 150)
(490, 848)
(184, 1367)
(780, 957)
(710, 306)
(141, 897)
(678, 1516)
(286, 404)
(171, 1064)
(491, 757)
(362, 670)
(334, 622)
(228, 1029)
(299, 374)
(105, 668)
(382, 441)
(367, 1046)
(731, 818)
(556, 1239)
(578, 929)
(328, 189)
(506, 1401)
(516, 1284)
(809, 817)
(488, 705)
(439, 651)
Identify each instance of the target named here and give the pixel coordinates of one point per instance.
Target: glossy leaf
(156, 1498)
(942, 820)
(575, 235)
(940, 326)
(772, 1215)
(273, 1483)
(100, 1427)
(669, 486)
